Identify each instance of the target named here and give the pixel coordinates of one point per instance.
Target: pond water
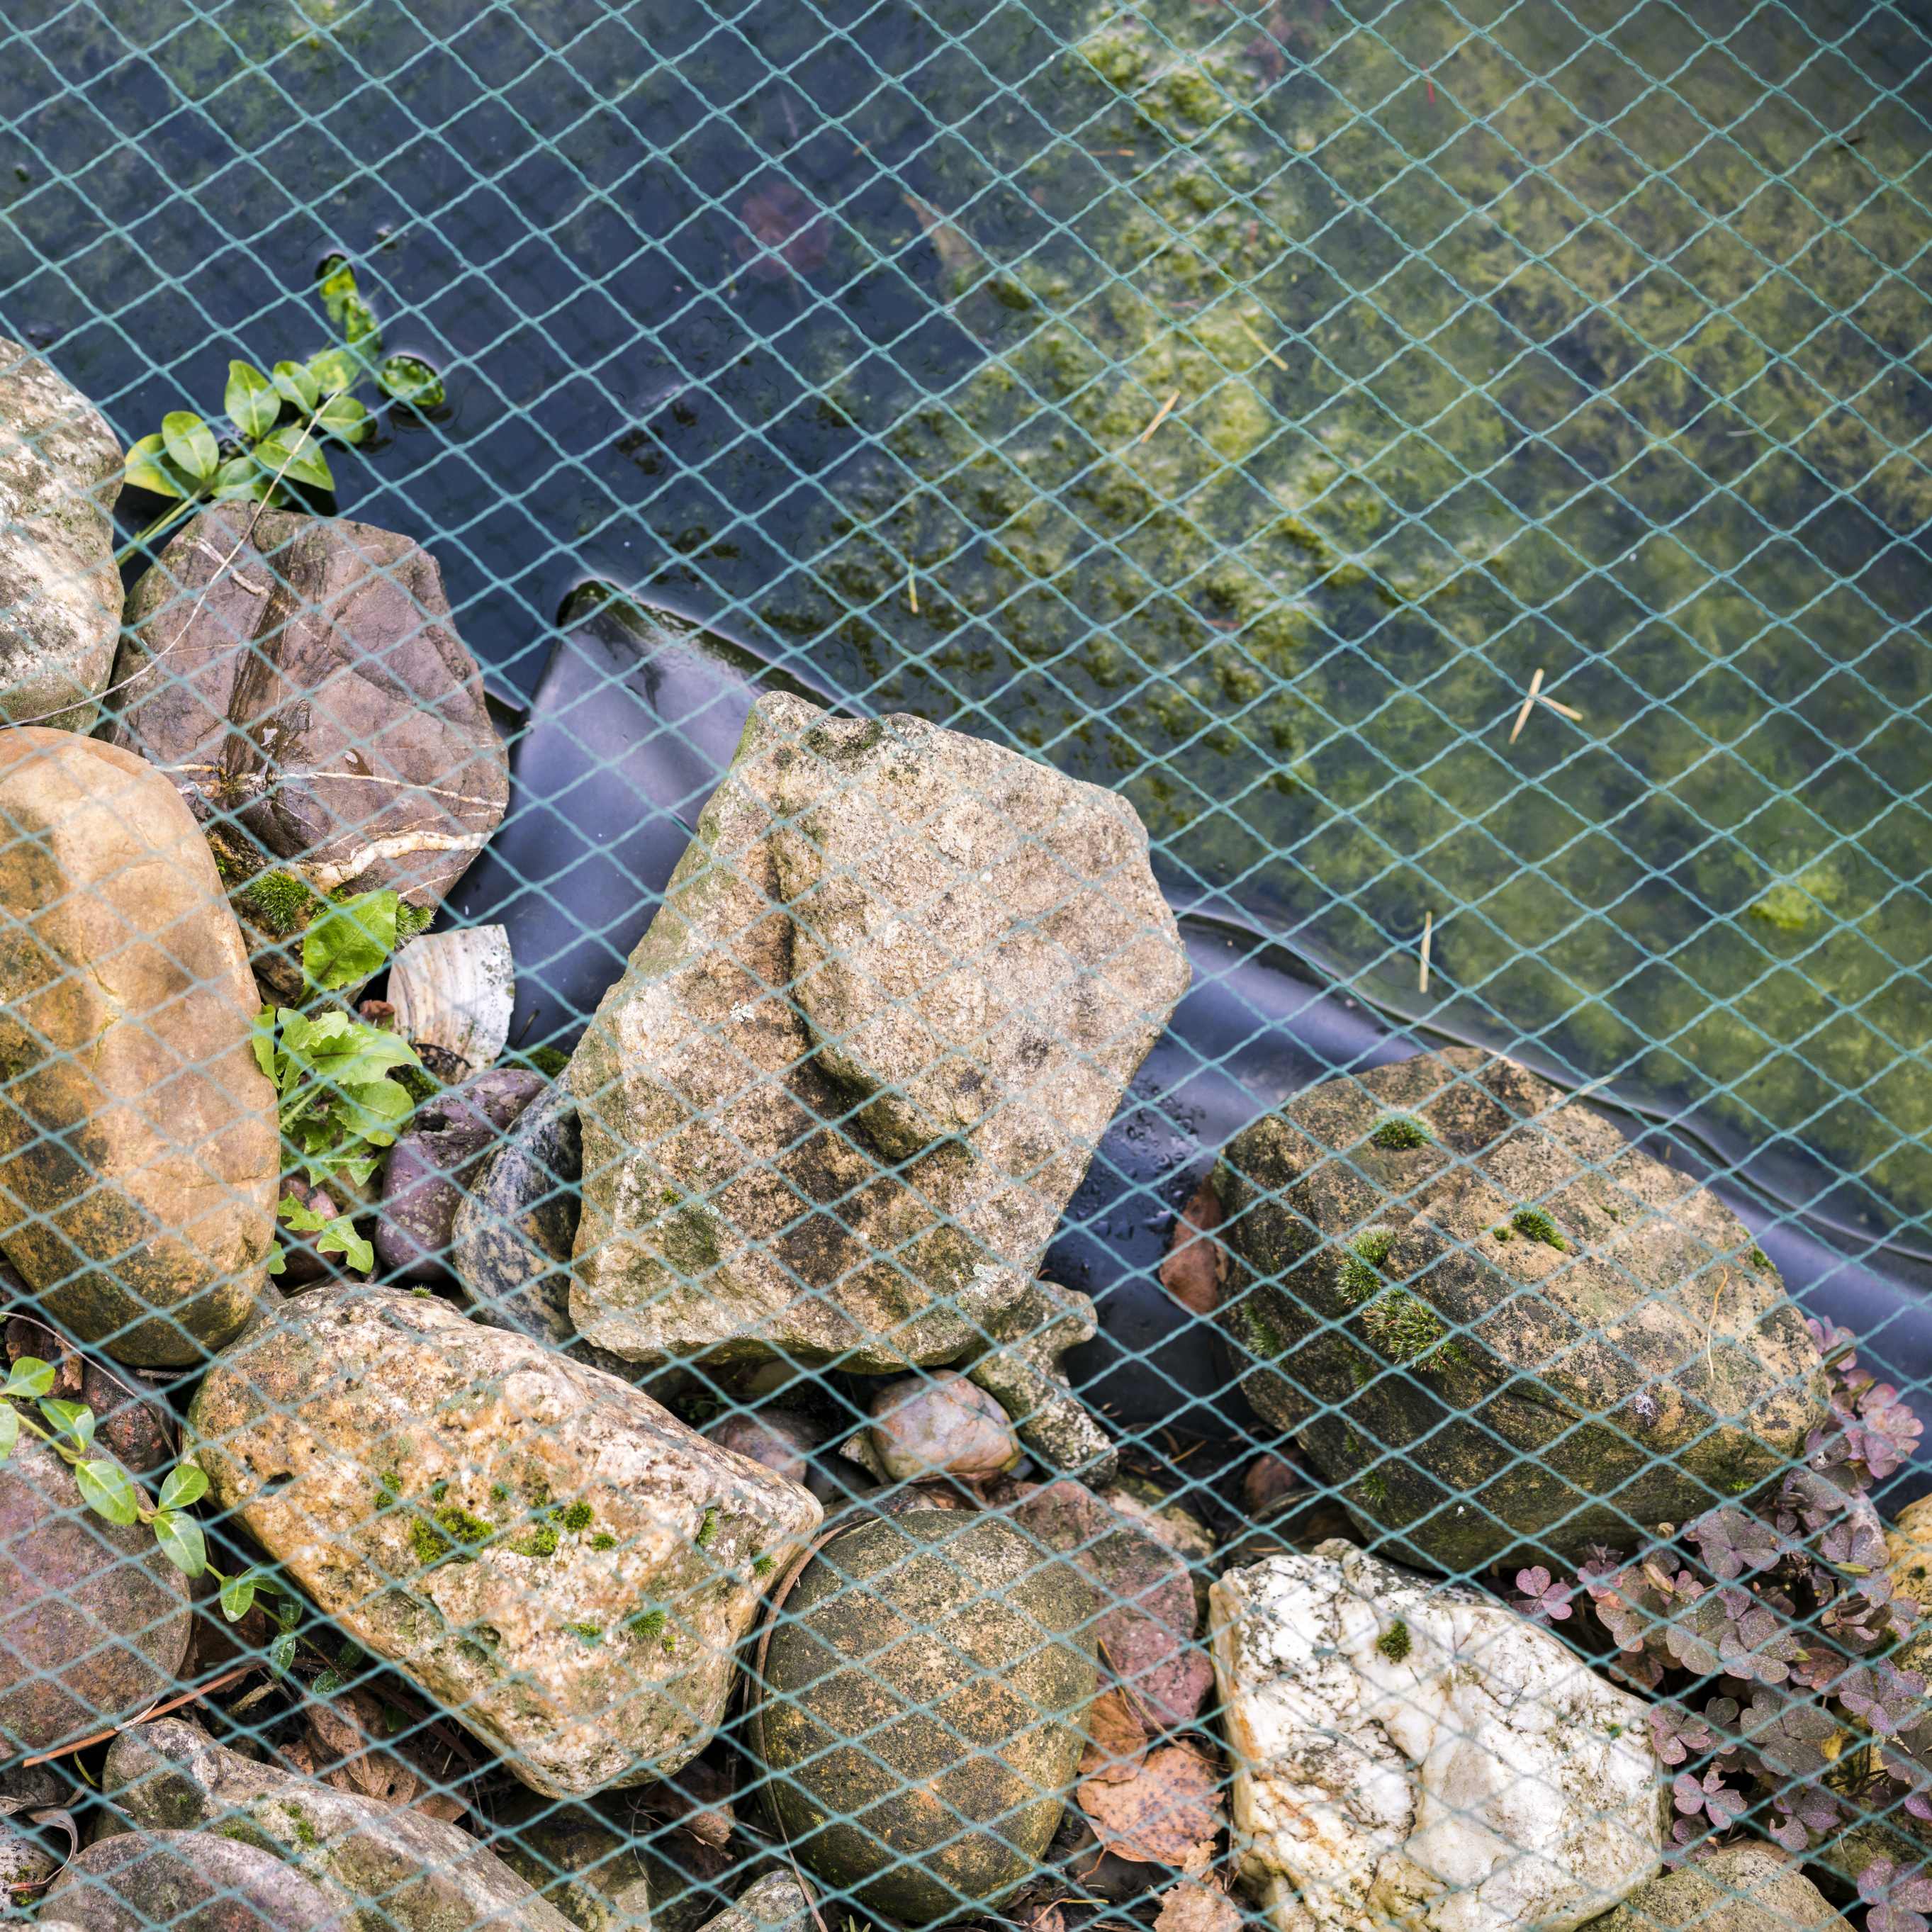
(1236, 403)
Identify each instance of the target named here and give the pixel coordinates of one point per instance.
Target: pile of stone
(811, 1154)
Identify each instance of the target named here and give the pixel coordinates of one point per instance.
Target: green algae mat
(1239, 404)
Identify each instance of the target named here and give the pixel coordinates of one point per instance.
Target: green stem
(166, 519)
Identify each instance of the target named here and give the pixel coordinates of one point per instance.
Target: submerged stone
(1492, 1321)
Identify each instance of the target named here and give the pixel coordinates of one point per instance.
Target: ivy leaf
(146, 469)
(409, 379)
(10, 1430)
(254, 404)
(343, 416)
(190, 443)
(186, 1485)
(107, 1490)
(278, 1260)
(296, 384)
(294, 453)
(29, 1377)
(71, 1418)
(351, 941)
(182, 1541)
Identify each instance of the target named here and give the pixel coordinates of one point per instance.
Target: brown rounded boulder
(138, 1147)
(94, 1619)
(921, 1710)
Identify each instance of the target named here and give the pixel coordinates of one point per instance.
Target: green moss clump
(1399, 1132)
(763, 1566)
(1373, 1245)
(1503, 1233)
(1375, 1487)
(707, 1530)
(278, 902)
(1534, 1224)
(603, 1540)
(577, 1516)
(1760, 1260)
(413, 921)
(449, 1532)
(590, 1632)
(1359, 1282)
(1395, 1643)
(647, 1625)
(1403, 1327)
(542, 1541)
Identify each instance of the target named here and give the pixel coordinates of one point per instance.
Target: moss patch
(1395, 1642)
(1402, 1326)
(1399, 1132)
(1534, 1224)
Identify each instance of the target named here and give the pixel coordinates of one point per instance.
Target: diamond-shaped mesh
(964, 964)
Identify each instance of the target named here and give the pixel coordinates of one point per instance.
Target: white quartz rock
(1415, 1753)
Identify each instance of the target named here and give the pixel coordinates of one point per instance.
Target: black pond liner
(629, 731)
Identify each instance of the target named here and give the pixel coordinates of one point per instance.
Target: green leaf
(278, 1260)
(294, 453)
(340, 1237)
(238, 1595)
(30, 1377)
(146, 469)
(182, 1541)
(262, 1040)
(74, 1419)
(335, 282)
(296, 385)
(282, 1653)
(191, 444)
(186, 1485)
(343, 416)
(10, 1429)
(351, 941)
(254, 404)
(107, 1490)
(241, 476)
(409, 379)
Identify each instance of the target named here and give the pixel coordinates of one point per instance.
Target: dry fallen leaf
(1190, 1907)
(1117, 1740)
(1169, 1813)
(1196, 1267)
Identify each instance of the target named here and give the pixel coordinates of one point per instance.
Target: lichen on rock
(552, 1556)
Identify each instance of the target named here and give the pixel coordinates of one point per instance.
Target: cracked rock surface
(1416, 1753)
(864, 1054)
(1494, 1322)
(138, 1148)
(555, 1559)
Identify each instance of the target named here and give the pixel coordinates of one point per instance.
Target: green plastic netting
(1460, 474)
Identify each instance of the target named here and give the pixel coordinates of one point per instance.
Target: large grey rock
(188, 1882)
(1411, 1753)
(313, 703)
(94, 1619)
(1494, 1322)
(60, 591)
(921, 1711)
(390, 1869)
(556, 1559)
(1742, 1888)
(861, 1059)
(138, 1148)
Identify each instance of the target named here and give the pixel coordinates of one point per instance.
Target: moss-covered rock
(920, 1710)
(1561, 1341)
